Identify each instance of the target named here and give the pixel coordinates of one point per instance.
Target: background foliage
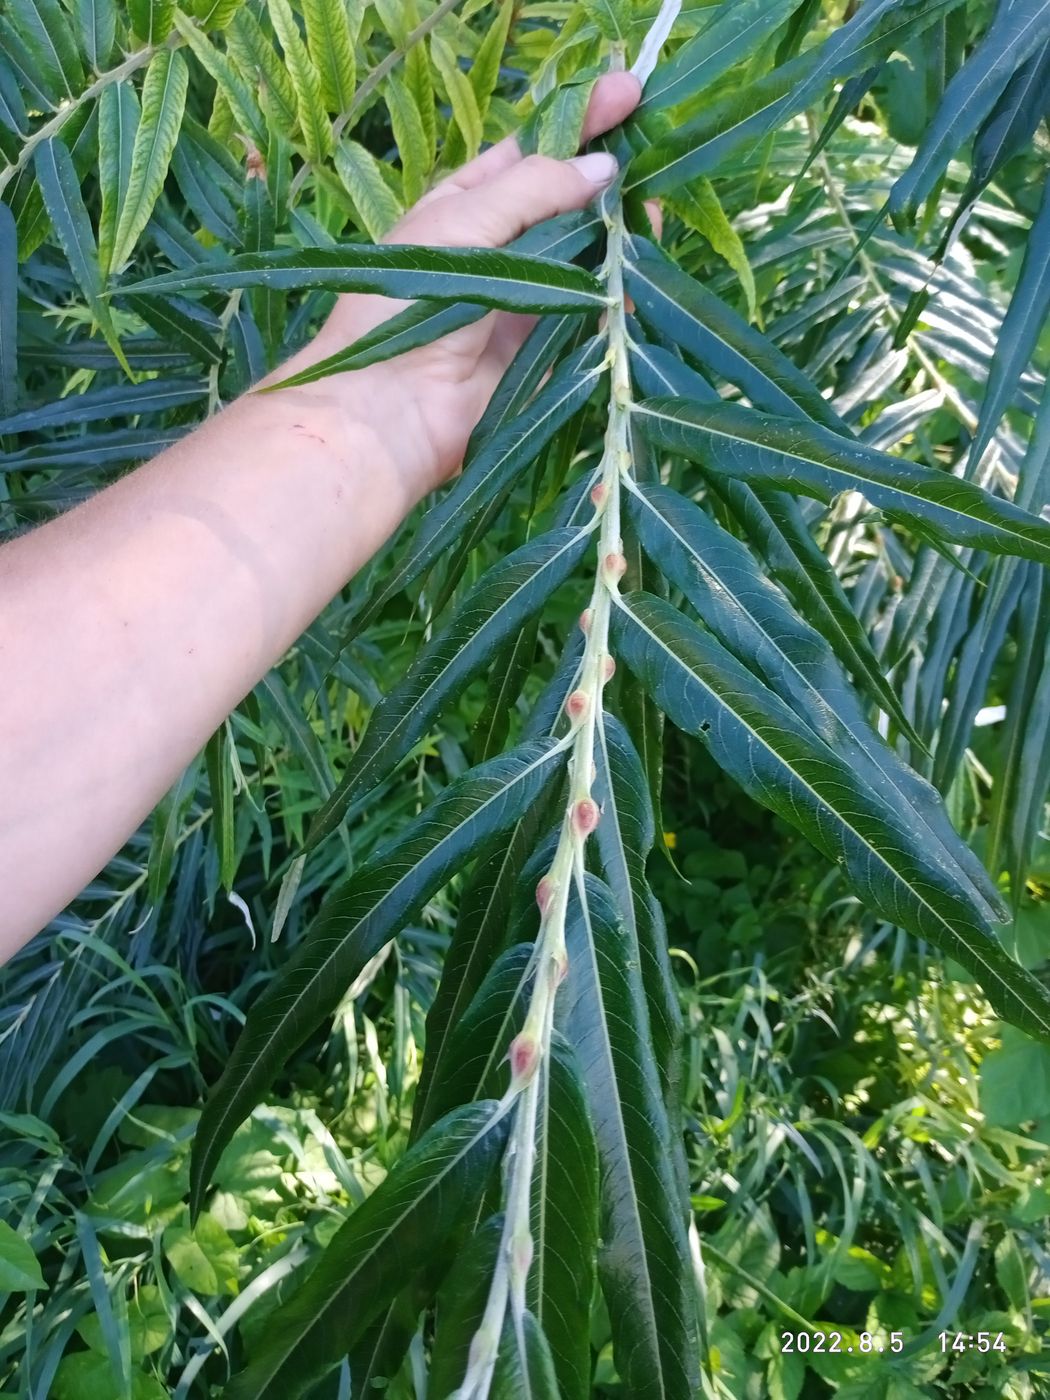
(866, 1145)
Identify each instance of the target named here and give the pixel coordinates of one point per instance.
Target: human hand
(423, 405)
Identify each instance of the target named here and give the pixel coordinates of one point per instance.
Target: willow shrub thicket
(778, 481)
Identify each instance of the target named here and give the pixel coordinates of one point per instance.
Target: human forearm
(134, 624)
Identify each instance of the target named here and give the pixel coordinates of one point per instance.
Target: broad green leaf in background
(413, 1216)
(152, 20)
(163, 103)
(808, 459)
(355, 922)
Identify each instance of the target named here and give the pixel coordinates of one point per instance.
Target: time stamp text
(879, 1343)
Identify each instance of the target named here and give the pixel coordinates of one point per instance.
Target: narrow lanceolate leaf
(612, 18)
(643, 1264)
(314, 124)
(510, 449)
(462, 98)
(8, 312)
(118, 121)
(119, 401)
(151, 20)
(778, 531)
(761, 742)
(625, 838)
(416, 1214)
(45, 24)
(496, 608)
(705, 328)
(524, 1373)
(490, 277)
(424, 322)
(332, 51)
(60, 186)
(478, 1042)
(97, 22)
(753, 620)
(183, 323)
(734, 33)
(1022, 326)
(565, 1222)
(808, 460)
(410, 138)
(698, 205)
(1016, 32)
(702, 145)
(163, 103)
(376, 204)
(461, 1306)
(355, 922)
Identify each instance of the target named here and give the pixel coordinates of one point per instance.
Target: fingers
(614, 97)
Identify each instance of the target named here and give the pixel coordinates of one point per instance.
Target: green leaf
(183, 323)
(777, 530)
(761, 742)
(501, 459)
(703, 327)
(561, 121)
(220, 785)
(527, 1375)
(122, 400)
(612, 18)
(1016, 32)
(1020, 331)
(235, 91)
(753, 620)
(151, 20)
(46, 27)
(332, 50)
(60, 187)
(461, 95)
(807, 459)
(355, 923)
(625, 838)
(644, 1263)
(485, 67)
(424, 322)
(410, 138)
(97, 23)
(461, 1306)
(205, 1258)
(414, 1215)
(8, 312)
(698, 206)
(565, 1222)
(314, 124)
(19, 1270)
(118, 121)
(377, 206)
(255, 56)
(704, 144)
(478, 1042)
(490, 277)
(495, 609)
(735, 32)
(163, 103)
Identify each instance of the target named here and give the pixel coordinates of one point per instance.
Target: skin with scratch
(135, 623)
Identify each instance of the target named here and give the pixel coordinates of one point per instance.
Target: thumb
(530, 191)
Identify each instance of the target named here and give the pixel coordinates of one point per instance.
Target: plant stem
(137, 60)
(530, 1050)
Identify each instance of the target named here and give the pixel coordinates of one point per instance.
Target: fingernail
(598, 166)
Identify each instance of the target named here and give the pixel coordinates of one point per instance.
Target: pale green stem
(137, 60)
(510, 1277)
